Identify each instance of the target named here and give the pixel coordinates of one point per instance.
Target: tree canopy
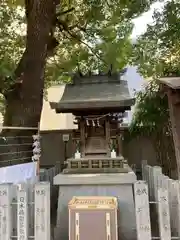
(157, 55)
(157, 51)
(45, 41)
(89, 35)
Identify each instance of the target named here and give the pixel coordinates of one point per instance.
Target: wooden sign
(93, 202)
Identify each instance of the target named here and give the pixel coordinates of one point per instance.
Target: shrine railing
(157, 205)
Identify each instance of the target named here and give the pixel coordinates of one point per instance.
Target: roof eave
(172, 82)
(76, 106)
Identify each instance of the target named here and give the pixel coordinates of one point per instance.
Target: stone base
(95, 170)
(96, 165)
(118, 185)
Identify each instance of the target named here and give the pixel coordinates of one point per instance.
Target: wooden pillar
(120, 144)
(174, 112)
(107, 132)
(82, 137)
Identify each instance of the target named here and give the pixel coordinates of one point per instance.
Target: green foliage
(11, 42)
(91, 34)
(101, 36)
(151, 119)
(151, 110)
(157, 51)
(157, 54)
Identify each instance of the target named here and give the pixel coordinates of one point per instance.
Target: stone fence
(25, 211)
(157, 205)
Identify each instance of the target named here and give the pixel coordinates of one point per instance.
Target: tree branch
(89, 47)
(64, 27)
(65, 12)
(19, 69)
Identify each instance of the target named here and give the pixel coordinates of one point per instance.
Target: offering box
(93, 218)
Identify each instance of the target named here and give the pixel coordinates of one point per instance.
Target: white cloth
(18, 173)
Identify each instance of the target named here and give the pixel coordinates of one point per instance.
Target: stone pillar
(22, 212)
(5, 212)
(42, 211)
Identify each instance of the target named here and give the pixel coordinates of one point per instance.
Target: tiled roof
(94, 94)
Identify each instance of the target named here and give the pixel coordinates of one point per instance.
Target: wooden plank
(5, 212)
(107, 131)
(108, 227)
(175, 124)
(82, 138)
(163, 214)
(77, 226)
(143, 225)
(22, 212)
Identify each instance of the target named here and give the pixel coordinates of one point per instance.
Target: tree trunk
(24, 101)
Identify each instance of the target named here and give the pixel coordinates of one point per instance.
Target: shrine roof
(94, 92)
(172, 82)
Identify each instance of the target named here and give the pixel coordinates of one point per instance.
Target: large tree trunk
(24, 101)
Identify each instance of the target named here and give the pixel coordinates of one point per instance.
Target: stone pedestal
(118, 185)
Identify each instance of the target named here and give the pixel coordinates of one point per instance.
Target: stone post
(42, 211)
(5, 212)
(22, 212)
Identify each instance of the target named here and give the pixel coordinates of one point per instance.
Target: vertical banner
(5, 212)
(42, 211)
(22, 212)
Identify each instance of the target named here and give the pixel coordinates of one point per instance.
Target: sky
(140, 23)
(135, 81)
